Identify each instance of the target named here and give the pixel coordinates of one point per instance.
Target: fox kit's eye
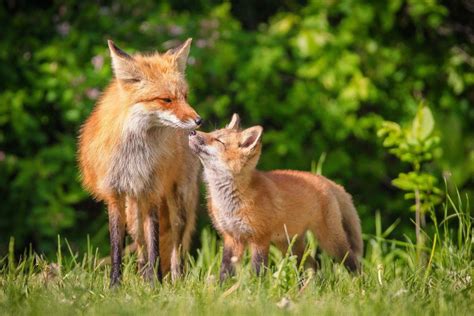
(166, 100)
(131, 80)
(220, 141)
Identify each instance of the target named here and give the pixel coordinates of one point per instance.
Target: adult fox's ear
(180, 54)
(251, 137)
(234, 122)
(123, 64)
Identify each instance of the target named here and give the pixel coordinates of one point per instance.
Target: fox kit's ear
(180, 54)
(123, 64)
(234, 122)
(251, 137)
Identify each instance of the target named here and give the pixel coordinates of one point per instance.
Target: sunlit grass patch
(393, 280)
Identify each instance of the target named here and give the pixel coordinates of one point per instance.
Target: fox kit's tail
(351, 224)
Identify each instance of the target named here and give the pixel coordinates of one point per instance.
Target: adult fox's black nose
(198, 121)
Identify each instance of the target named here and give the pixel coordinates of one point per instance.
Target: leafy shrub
(415, 145)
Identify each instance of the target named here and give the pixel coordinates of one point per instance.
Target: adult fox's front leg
(182, 206)
(116, 212)
(135, 229)
(151, 230)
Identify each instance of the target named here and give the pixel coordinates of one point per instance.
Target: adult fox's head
(154, 86)
(228, 150)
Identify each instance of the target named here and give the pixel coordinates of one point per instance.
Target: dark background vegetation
(320, 76)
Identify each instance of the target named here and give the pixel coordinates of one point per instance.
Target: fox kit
(257, 208)
(133, 154)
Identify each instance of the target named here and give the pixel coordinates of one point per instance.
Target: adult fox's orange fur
(133, 154)
(257, 208)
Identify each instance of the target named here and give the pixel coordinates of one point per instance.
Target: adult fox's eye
(166, 100)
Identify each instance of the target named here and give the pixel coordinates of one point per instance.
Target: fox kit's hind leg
(298, 249)
(233, 251)
(332, 237)
(116, 212)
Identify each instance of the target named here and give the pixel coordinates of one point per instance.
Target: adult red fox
(133, 154)
(252, 207)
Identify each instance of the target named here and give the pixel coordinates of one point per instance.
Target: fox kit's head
(229, 150)
(154, 86)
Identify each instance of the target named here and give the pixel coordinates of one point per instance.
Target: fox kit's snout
(257, 208)
(229, 149)
(196, 141)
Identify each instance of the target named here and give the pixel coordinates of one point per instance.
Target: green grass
(396, 280)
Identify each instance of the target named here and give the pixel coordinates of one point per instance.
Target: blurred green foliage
(319, 76)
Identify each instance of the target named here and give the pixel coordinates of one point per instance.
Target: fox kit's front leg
(233, 251)
(116, 212)
(259, 255)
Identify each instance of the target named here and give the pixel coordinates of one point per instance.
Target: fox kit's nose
(198, 121)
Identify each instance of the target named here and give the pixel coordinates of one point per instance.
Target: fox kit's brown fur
(248, 206)
(133, 154)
